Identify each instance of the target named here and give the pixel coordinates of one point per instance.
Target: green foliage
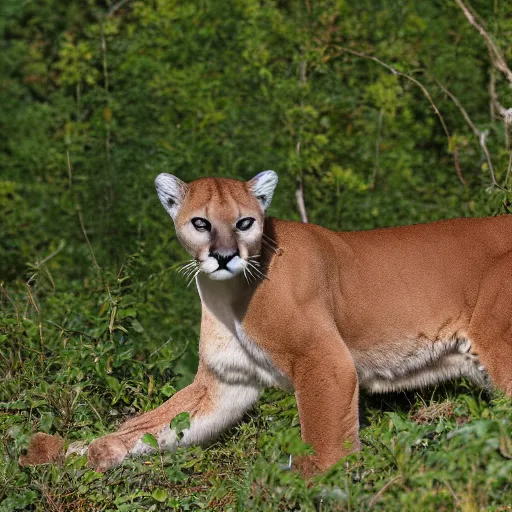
(150, 440)
(97, 98)
(180, 423)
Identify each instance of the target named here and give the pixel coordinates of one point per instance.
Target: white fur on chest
(231, 353)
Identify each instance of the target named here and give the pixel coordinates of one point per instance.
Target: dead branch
(299, 194)
(480, 135)
(498, 62)
(299, 191)
(421, 87)
(496, 106)
(116, 7)
(496, 56)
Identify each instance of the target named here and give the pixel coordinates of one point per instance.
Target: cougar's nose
(223, 259)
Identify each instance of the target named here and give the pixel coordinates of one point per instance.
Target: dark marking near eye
(201, 224)
(245, 224)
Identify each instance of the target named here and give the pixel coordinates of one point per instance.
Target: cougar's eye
(201, 224)
(244, 224)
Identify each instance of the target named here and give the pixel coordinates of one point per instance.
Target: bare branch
(496, 56)
(373, 178)
(383, 489)
(418, 84)
(116, 7)
(509, 169)
(481, 136)
(299, 194)
(498, 62)
(507, 122)
(299, 191)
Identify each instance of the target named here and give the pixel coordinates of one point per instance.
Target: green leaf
(19, 500)
(180, 422)
(137, 326)
(150, 439)
(167, 390)
(113, 383)
(159, 494)
(17, 405)
(46, 422)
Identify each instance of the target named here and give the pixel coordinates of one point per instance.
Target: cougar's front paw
(42, 449)
(106, 452)
(307, 465)
(311, 465)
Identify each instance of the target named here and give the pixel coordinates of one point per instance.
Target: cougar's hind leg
(213, 406)
(490, 328)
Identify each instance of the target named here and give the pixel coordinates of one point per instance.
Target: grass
(78, 362)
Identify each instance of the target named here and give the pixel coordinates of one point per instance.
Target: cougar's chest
(226, 348)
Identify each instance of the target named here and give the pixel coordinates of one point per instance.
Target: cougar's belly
(395, 367)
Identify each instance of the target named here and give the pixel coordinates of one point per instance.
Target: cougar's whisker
(271, 247)
(193, 277)
(270, 240)
(245, 275)
(187, 265)
(190, 271)
(250, 273)
(258, 272)
(254, 262)
(185, 271)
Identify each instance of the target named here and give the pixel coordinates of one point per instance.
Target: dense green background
(97, 98)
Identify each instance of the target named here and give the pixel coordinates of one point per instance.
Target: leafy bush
(97, 98)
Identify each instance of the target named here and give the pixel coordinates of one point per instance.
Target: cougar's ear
(171, 192)
(263, 186)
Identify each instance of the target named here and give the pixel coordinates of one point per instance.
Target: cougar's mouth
(221, 265)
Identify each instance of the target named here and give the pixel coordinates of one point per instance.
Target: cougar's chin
(221, 275)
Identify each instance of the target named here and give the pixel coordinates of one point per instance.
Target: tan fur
(385, 309)
(43, 448)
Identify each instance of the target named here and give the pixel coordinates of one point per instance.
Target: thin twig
(49, 498)
(423, 89)
(70, 331)
(509, 169)
(384, 488)
(299, 197)
(452, 492)
(91, 250)
(106, 87)
(80, 218)
(116, 7)
(70, 174)
(6, 295)
(299, 191)
(496, 55)
(377, 150)
(481, 136)
(495, 105)
(40, 325)
(39, 264)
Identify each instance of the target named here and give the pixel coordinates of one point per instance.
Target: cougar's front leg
(327, 393)
(218, 398)
(213, 406)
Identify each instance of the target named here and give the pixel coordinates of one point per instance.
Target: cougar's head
(218, 221)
